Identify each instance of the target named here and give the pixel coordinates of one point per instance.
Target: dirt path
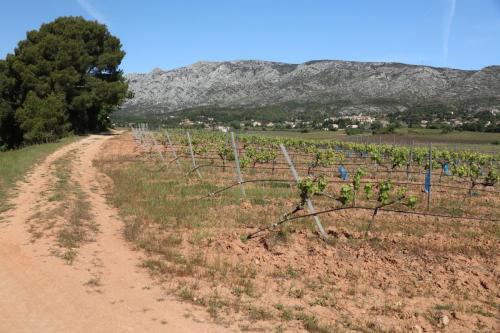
(104, 290)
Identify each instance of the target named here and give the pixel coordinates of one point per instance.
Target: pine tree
(66, 74)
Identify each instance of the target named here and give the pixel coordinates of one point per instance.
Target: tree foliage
(43, 119)
(63, 77)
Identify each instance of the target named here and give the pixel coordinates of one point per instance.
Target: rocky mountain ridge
(362, 86)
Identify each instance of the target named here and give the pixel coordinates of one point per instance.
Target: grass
(14, 164)
(136, 182)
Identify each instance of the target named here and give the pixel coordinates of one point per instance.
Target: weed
(93, 282)
(480, 311)
(444, 307)
(291, 272)
(245, 286)
(69, 256)
(258, 313)
(156, 266)
(296, 292)
(186, 294)
(324, 300)
(311, 323)
(215, 304)
(433, 317)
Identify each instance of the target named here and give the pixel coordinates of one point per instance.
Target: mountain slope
(369, 86)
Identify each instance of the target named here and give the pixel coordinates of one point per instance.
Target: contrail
(447, 30)
(92, 11)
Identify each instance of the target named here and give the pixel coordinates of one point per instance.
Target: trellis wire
(330, 210)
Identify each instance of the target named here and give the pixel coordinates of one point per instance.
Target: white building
(186, 122)
(222, 129)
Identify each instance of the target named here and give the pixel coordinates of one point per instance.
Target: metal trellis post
(237, 162)
(408, 165)
(308, 201)
(430, 177)
(174, 154)
(192, 155)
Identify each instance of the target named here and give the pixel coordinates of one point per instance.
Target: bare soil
(104, 289)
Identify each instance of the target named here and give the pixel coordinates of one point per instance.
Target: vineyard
(287, 234)
(345, 175)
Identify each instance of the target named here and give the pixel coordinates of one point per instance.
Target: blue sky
(170, 33)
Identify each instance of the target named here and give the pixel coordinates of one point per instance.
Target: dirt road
(104, 290)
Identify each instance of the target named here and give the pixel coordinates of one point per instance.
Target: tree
(235, 124)
(71, 62)
(43, 119)
(9, 132)
(376, 126)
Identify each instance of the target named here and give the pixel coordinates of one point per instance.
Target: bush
(354, 131)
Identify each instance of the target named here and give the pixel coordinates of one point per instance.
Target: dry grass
(67, 218)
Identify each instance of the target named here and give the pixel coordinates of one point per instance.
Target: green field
(15, 163)
(476, 141)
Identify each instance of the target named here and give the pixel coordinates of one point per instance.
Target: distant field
(15, 163)
(313, 135)
(477, 141)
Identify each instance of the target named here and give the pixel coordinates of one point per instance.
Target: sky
(174, 33)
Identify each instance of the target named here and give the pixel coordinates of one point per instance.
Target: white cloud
(92, 11)
(447, 30)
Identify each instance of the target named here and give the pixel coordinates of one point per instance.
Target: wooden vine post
(308, 201)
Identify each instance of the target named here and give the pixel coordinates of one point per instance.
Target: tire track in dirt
(104, 290)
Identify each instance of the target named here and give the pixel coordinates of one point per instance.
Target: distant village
(345, 122)
(329, 124)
